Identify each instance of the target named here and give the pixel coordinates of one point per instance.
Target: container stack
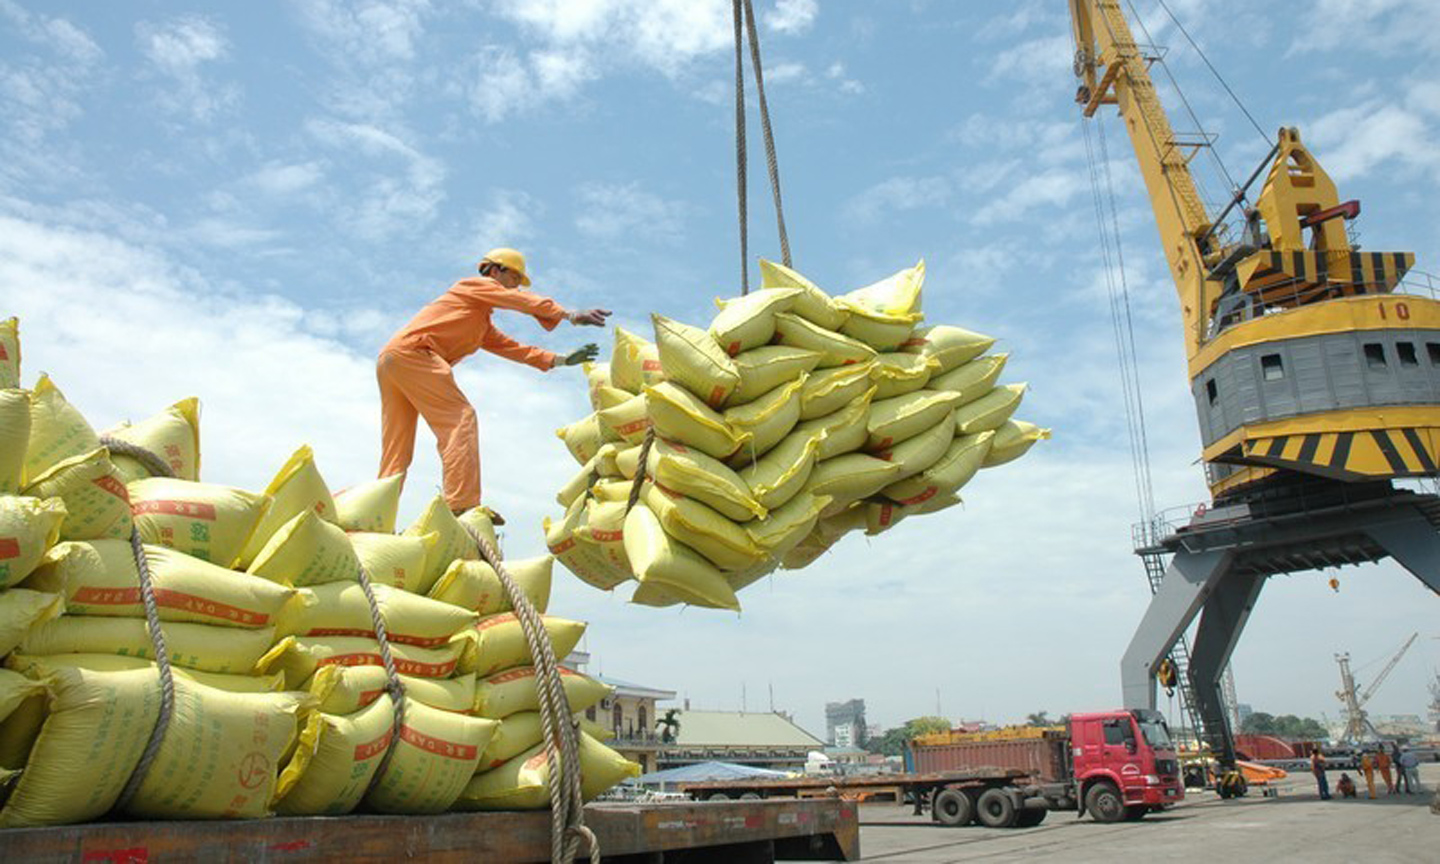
(794, 419)
(282, 700)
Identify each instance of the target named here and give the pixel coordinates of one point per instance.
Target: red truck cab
(1124, 763)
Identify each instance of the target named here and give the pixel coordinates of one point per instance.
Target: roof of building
(705, 771)
(627, 688)
(741, 729)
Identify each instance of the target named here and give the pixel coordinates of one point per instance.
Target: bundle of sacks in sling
(793, 420)
(281, 701)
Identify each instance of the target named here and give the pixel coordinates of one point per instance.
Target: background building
(845, 723)
(762, 740)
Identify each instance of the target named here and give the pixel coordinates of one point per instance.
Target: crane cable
(743, 29)
(1213, 70)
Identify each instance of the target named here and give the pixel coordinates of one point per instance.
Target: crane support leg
(1224, 617)
(1188, 582)
(1415, 544)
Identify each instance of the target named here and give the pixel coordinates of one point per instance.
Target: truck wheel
(1030, 817)
(1104, 803)
(995, 809)
(1136, 812)
(751, 796)
(953, 808)
(717, 796)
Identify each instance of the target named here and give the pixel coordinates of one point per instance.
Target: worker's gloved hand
(585, 354)
(590, 317)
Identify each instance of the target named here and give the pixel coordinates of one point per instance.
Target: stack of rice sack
(281, 701)
(793, 420)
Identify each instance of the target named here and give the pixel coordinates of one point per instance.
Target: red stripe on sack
(517, 674)
(633, 426)
(4, 355)
(886, 512)
(9, 548)
(563, 546)
(885, 454)
(717, 396)
(374, 748)
(438, 746)
(669, 493)
(399, 638)
(424, 670)
(914, 342)
(537, 760)
(495, 621)
(923, 496)
(188, 509)
(650, 366)
(171, 599)
(368, 696)
(733, 348)
(352, 660)
(678, 447)
(113, 485)
(886, 442)
(107, 596)
(606, 536)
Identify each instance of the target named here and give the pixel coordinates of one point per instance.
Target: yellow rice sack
(763, 369)
(835, 349)
(213, 523)
(748, 322)
(513, 690)
(635, 363)
(962, 459)
(971, 380)
(299, 658)
(100, 578)
(173, 435)
(741, 579)
(680, 571)
(883, 515)
(896, 296)
(21, 610)
(97, 503)
(724, 543)
(597, 375)
(15, 688)
(307, 550)
(588, 562)
(474, 585)
(500, 643)
(652, 594)
(828, 390)
(334, 761)
(604, 531)
(202, 647)
(393, 560)
(434, 759)
(340, 609)
(917, 453)
(230, 682)
(626, 421)
(347, 689)
(523, 783)
(680, 416)
(826, 533)
(881, 332)
(28, 528)
(811, 303)
(582, 438)
(477, 519)
(370, 506)
(594, 730)
(9, 353)
(97, 728)
(695, 475)
(898, 374)
(951, 347)
(1013, 440)
(780, 473)
(767, 420)
(295, 489)
(220, 756)
(788, 525)
(610, 491)
(850, 477)
(515, 734)
(990, 411)
(842, 431)
(608, 397)
(14, 436)
(578, 486)
(694, 360)
(57, 430)
(452, 541)
(903, 417)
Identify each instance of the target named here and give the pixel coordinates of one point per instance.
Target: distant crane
(1357, 723)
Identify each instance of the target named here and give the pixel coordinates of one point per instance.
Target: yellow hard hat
(510, 259)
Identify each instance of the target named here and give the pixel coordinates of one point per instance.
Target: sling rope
(746, 29)
(392, 678)
(640, 461)
(562, 751)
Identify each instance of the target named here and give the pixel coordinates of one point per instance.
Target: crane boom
(1389, 667)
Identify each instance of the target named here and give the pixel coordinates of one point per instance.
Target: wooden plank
(622, 829)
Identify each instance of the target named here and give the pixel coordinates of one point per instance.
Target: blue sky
(242, 202)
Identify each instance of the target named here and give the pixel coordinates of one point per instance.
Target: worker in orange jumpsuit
(1367, 767)
(1382, 762)
(415, 377)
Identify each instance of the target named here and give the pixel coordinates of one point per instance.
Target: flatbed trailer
(755, 832)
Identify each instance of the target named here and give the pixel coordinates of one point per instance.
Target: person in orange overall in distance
(1367, 767)
(1382, 762)
(415, 377)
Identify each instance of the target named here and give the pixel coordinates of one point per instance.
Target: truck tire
(717, 796)
(1136, 812)
(953, 808)
(751, 796)
(1030, 817)
(995, 808)
(1104, 803)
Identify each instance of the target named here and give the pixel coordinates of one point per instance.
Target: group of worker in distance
(1397, 768)
(416, 377)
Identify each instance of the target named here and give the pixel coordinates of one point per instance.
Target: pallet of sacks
(281, 700)
(792, 420)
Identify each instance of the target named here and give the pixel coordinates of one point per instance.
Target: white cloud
(1041, 61)
(791, 16)
(1052, 189)
(836, 72)
(40, 97)
(782, 73)
(389, 203)
(506, 220)
(664, 34)
(1397, 133)
(1381, 25)
(57, 34)
(372, 45)
(509, 84)
(895, 195)
(627, 213)
(178, 49)
(279, 179)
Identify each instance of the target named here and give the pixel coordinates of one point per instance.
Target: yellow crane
(1315, 376)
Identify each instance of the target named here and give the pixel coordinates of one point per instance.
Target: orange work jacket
(457, 323)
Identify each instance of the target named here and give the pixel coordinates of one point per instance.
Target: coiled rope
(744, 15)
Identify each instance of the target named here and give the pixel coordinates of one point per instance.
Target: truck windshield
(1156, 735)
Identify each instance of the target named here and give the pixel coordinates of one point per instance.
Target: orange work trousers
(417, 384)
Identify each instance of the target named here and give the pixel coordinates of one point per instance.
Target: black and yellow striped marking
(1302, 276)
(1365, 455)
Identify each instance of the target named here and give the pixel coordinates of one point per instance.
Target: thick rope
(770, 159)
(392, 678)
(152, 462)
(641, 459)
(740, 156)
(562, 753)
